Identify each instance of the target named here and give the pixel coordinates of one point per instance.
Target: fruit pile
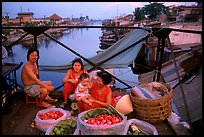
(64, 127)
(101, 121)
(104, 119)
(101, 116)
(50, 115)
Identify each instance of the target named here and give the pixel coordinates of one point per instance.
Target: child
(82, 90)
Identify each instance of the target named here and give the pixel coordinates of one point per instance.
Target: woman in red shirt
(71, 79)
(101, 93)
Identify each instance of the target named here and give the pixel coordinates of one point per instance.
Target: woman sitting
(101, 93)
(71, 79)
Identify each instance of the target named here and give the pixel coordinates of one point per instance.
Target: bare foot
(51, 100)
(46, 105)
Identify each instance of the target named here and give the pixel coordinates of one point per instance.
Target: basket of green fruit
(64, 127)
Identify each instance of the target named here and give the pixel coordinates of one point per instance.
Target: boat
(105, 44)
(110, 35)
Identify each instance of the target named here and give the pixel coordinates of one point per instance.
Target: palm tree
(138, 14)
(154, 9)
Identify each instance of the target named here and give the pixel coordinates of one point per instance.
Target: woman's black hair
(79, 61)
(106, 77)
(31, 50)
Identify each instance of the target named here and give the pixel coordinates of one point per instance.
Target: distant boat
(108, 40)
(105, 44)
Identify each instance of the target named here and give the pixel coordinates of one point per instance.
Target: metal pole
(157, 57)
(36, 46)
(161, 59)
(181, 87)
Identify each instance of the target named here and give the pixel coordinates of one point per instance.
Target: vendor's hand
(65, 81)
(78, 99)
(50, 88)
(73, 80)
(91, 99)
(86, 87)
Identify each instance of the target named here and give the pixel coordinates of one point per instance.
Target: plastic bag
(174, 120)
(143, 125)
(88, 129)
(50, 129)
(43, 125)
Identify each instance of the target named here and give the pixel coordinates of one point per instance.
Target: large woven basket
(154, 110)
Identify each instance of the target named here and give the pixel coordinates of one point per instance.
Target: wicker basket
(153, 110)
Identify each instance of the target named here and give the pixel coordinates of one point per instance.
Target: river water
(84, 41)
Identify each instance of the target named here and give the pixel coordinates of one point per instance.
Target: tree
(154, 9)
(87, 17)
(138, 14)
(199, 3)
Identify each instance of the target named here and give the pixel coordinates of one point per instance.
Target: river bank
(55, 32)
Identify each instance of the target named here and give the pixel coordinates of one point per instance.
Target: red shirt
(98, 96)
(73, 75)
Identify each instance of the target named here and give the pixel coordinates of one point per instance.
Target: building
(25, 17)
(185, 13)
(55, 19)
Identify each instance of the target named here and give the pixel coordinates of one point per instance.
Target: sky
(94, 10)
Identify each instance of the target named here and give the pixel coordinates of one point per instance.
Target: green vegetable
(74, 124)
(129, 132)
(58, 132)
(55, 129)
(65, 127)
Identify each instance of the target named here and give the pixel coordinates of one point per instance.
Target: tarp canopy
(119, 55)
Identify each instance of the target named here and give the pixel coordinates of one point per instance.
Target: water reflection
(83, 41)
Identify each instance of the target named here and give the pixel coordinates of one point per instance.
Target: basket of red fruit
(48, 117)
(101, 121)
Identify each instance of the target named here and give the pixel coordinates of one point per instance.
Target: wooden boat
(105, 44)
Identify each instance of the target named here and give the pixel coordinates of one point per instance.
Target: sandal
(63, 105)
(32, 124)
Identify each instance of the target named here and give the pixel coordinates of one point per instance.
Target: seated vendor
(32, 85)
(101, 93)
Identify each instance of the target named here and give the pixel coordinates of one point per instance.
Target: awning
(119, 55)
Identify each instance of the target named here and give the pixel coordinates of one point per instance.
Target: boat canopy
(119, 55)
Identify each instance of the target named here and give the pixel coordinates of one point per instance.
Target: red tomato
(104, 119)
(50, 115)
